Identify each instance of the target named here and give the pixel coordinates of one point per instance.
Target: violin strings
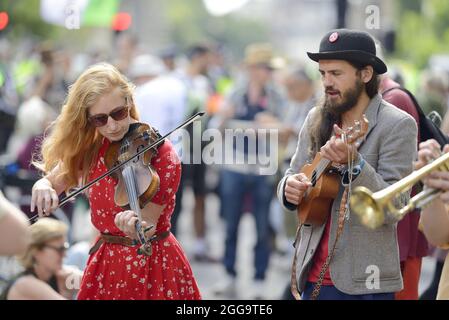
(129, 177)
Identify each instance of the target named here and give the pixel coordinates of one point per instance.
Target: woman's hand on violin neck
(44, 198)
(126, 222)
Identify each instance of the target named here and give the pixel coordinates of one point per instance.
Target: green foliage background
(25, 19)
(423, 30)
(422, 27)
(190, 22)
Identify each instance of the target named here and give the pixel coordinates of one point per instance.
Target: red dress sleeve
(168, 167)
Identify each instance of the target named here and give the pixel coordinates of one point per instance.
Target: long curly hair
(72, 142)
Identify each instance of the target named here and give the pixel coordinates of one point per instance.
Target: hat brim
(273, 64)
(351, 55)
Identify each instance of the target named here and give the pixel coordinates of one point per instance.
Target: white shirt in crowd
(162, 103)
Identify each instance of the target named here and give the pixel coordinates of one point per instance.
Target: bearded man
(342, 259)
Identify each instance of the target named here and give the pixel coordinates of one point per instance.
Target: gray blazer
(361, 254)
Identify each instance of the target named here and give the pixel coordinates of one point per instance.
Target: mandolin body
(315, 206)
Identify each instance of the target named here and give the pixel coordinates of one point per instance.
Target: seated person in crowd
(45, 277)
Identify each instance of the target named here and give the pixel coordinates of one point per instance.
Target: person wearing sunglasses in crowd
(45, 277)
(99, 110)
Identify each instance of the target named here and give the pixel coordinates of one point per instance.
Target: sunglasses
(60, 250)
(101, 119)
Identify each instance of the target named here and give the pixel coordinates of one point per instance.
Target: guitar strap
(343, 215)
(293, 286)
(341, 223)
(316, 291)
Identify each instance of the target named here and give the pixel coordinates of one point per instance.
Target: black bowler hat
(349, 45)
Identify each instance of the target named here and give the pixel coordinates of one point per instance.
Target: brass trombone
(372, 207)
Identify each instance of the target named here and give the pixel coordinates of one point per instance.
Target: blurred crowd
(262, 91)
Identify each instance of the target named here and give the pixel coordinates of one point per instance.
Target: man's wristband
(356, 170)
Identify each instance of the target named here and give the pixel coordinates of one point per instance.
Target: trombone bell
(367, 208)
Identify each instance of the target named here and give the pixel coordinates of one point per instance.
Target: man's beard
(349, 100)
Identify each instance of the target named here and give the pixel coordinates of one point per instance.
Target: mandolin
(325, 180)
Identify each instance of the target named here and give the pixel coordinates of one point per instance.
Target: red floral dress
(118, 272)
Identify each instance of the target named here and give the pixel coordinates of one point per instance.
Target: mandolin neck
(322, 166)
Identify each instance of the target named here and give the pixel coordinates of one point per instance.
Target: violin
(137, 180)
(145, 179)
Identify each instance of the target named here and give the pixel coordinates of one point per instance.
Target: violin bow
(115, 168)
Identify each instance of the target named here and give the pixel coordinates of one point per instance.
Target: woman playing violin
(99, 111)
